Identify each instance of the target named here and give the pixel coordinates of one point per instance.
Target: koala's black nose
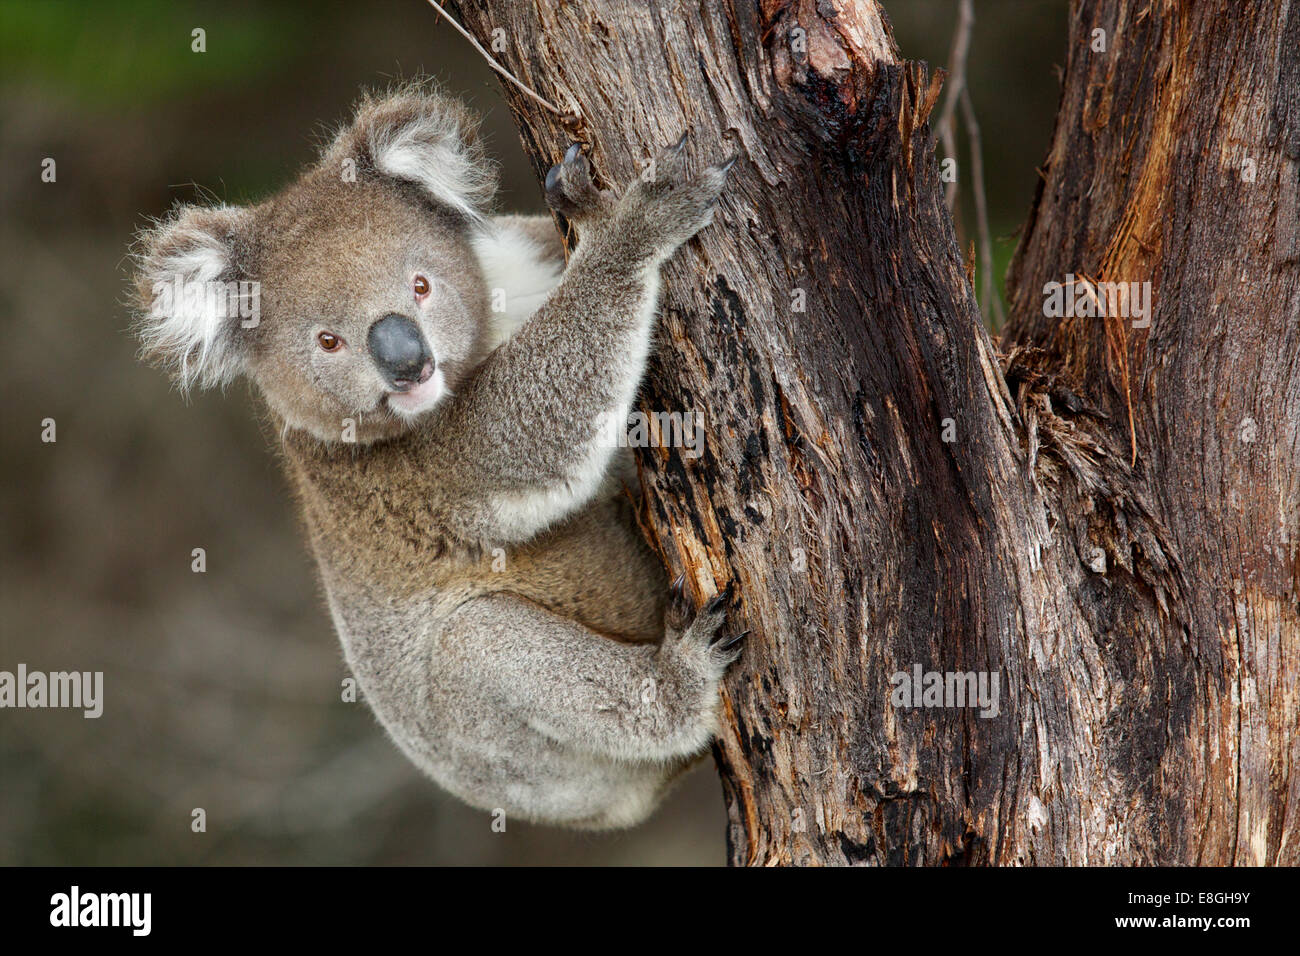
(398, 349)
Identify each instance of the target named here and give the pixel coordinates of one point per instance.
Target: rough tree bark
(1104, 517)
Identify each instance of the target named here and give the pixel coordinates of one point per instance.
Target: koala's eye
(421, 286)
(329, 341)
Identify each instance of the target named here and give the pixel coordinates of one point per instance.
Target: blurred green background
(222, 690)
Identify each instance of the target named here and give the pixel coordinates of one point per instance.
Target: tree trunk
(1084, 520)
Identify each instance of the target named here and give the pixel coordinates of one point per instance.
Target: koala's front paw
(570, 191)
(695, 636)
(668, 205)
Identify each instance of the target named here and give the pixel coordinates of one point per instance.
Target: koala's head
(352, 295)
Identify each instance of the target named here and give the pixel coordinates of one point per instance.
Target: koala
(475, 540)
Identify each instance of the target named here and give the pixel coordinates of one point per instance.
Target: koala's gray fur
(554, 684)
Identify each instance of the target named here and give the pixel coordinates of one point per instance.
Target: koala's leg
(630, 702)
(535, 423)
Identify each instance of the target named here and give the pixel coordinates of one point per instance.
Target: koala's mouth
(402, 385)
(412, 398)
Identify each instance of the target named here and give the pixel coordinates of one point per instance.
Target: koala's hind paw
(569, 189)
(697, 633)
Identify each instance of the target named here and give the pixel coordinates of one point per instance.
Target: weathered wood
(1176, 161)
(862, 543)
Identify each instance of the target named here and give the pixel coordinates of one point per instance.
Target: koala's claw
(730, 642)
(679, 612)
(718, 601)
(569, 189)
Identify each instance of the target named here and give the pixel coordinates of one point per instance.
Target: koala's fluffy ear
(423, 138)
(188, 289)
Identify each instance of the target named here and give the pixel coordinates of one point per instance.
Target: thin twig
(956, 83)
(991, 300)
(493, 63)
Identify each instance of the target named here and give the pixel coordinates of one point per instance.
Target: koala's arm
(632, 702)
(532, 424)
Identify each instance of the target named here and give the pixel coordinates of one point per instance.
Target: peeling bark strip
(888, 501)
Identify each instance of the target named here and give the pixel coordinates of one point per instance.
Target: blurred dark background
(222, 689)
